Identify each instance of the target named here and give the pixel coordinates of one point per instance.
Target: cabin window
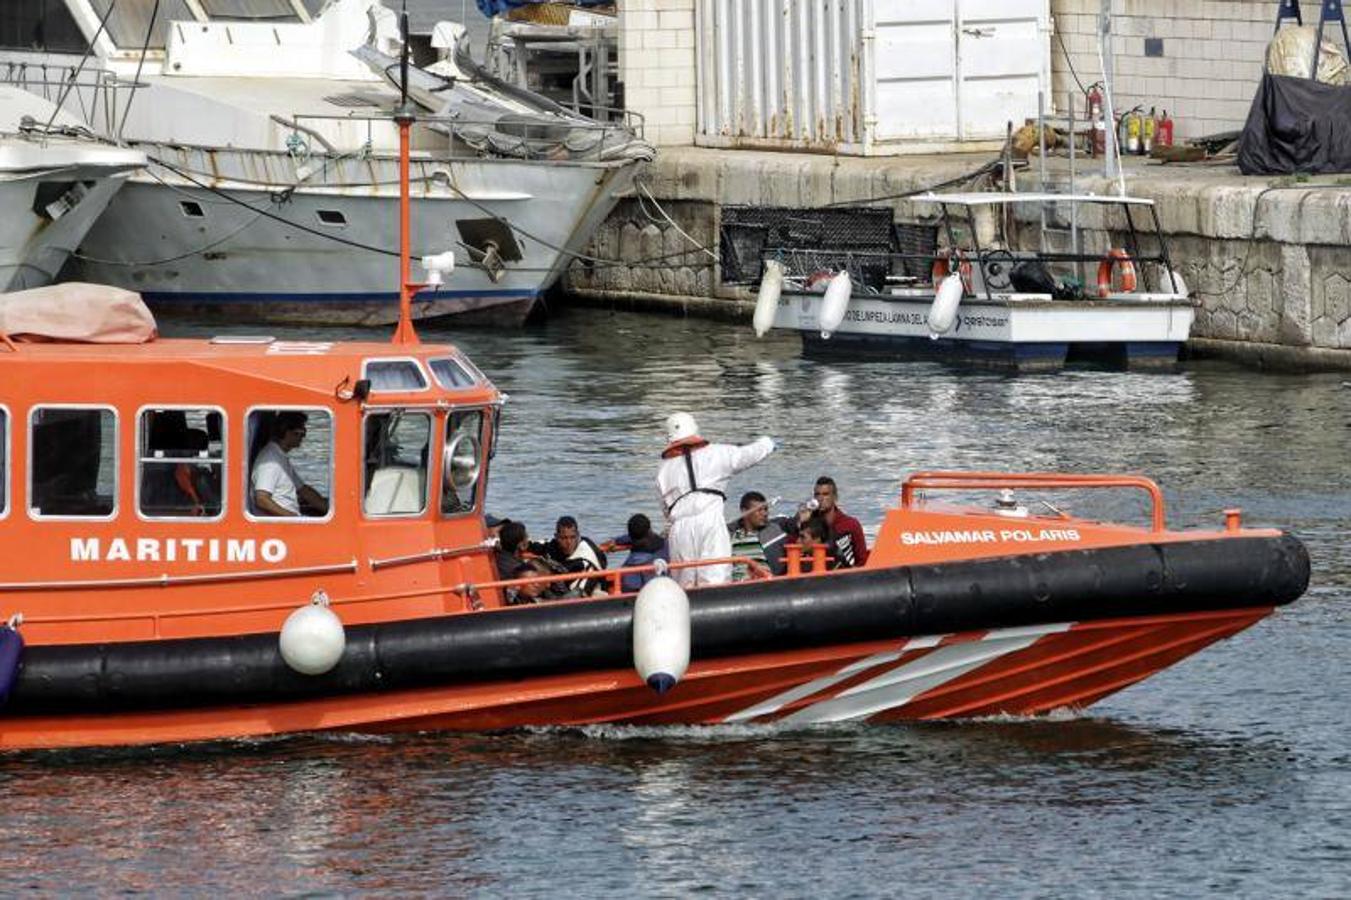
(450, 374)
(72, 467)
(251, 10)
(397, 444)
(290, 463)
(4, 461)
(192, 209)
(181, 463)
(333, 218)
(395, 375)
(462, 462)
(131, 19)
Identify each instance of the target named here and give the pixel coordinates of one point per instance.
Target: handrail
(167, 580)
(1037, 480)
(435, 554)
(614, 576)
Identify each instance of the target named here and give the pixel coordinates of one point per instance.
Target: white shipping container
(868, 77)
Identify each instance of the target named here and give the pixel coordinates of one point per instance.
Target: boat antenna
(404, 333)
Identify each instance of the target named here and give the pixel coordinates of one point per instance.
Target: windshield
(251, 10)
(130, 18)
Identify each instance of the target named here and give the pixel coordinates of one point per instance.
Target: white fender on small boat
(943, 312)
(661, 633)
(835, 303)
(767, 303)
(1177, 282)
(312, 639)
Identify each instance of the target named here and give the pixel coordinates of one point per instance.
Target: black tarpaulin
(1296, 125)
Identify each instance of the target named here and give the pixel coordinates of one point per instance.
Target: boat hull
(1017, 334)
(1007, 635)
(33, 246)
(324, 250)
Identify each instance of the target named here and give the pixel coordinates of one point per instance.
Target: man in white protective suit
(692, 481)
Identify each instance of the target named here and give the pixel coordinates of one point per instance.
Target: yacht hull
(34, 246)
(234, 234)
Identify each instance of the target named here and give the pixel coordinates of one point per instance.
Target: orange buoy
(1109, 264)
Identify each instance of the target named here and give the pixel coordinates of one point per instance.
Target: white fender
(767, 303)
(312, 639)
(835, 303)
(943, 312)
(661, 633)
(1177, 280)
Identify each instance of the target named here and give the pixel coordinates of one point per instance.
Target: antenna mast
(404, 333)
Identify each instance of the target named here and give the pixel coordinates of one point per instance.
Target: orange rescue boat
(162, 588)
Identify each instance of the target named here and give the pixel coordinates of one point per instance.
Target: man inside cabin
(851, 548)
(278, 489)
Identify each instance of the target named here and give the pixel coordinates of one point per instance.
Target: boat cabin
(131, 475)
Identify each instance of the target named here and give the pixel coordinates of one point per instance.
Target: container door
(916, 68)
(1001, 53)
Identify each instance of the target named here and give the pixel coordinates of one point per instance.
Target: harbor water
(1228, 774)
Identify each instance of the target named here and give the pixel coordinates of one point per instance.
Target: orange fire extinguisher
(1099, 127)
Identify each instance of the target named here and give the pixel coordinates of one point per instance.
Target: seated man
(760, 538)
(512, 546)
(525, 594)
(575, 553)
(277, 489)
(645, 546)
(816, 533)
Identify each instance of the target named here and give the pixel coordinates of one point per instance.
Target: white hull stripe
(903, 683)
(779, 701)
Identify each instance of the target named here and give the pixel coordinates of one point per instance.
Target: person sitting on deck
(570, 551)
(524, 594)
(816, 533)
(512, 546)
(645, 547)
(759, 537)
(278, 489)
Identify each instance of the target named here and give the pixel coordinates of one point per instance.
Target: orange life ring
(941, 270)
(1106, 267)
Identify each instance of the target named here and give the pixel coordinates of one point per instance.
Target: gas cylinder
(1099, 127)
(1164, 138)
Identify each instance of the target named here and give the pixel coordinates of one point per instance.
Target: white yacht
(272, 186)
(55, 180)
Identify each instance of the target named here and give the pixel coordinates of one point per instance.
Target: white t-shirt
(273, 472)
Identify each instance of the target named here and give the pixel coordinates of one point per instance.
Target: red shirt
(851, 547)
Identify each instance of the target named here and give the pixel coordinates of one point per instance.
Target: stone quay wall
(1268, 260)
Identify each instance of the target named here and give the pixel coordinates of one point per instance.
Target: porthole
(333, 218)
(192, 209)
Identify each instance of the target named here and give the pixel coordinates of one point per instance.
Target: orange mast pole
(404, 333)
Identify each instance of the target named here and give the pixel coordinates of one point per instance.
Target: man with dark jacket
(512, 545)
(645, 547)
(850, 546)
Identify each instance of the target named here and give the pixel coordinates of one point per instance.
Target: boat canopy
(83, 313)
